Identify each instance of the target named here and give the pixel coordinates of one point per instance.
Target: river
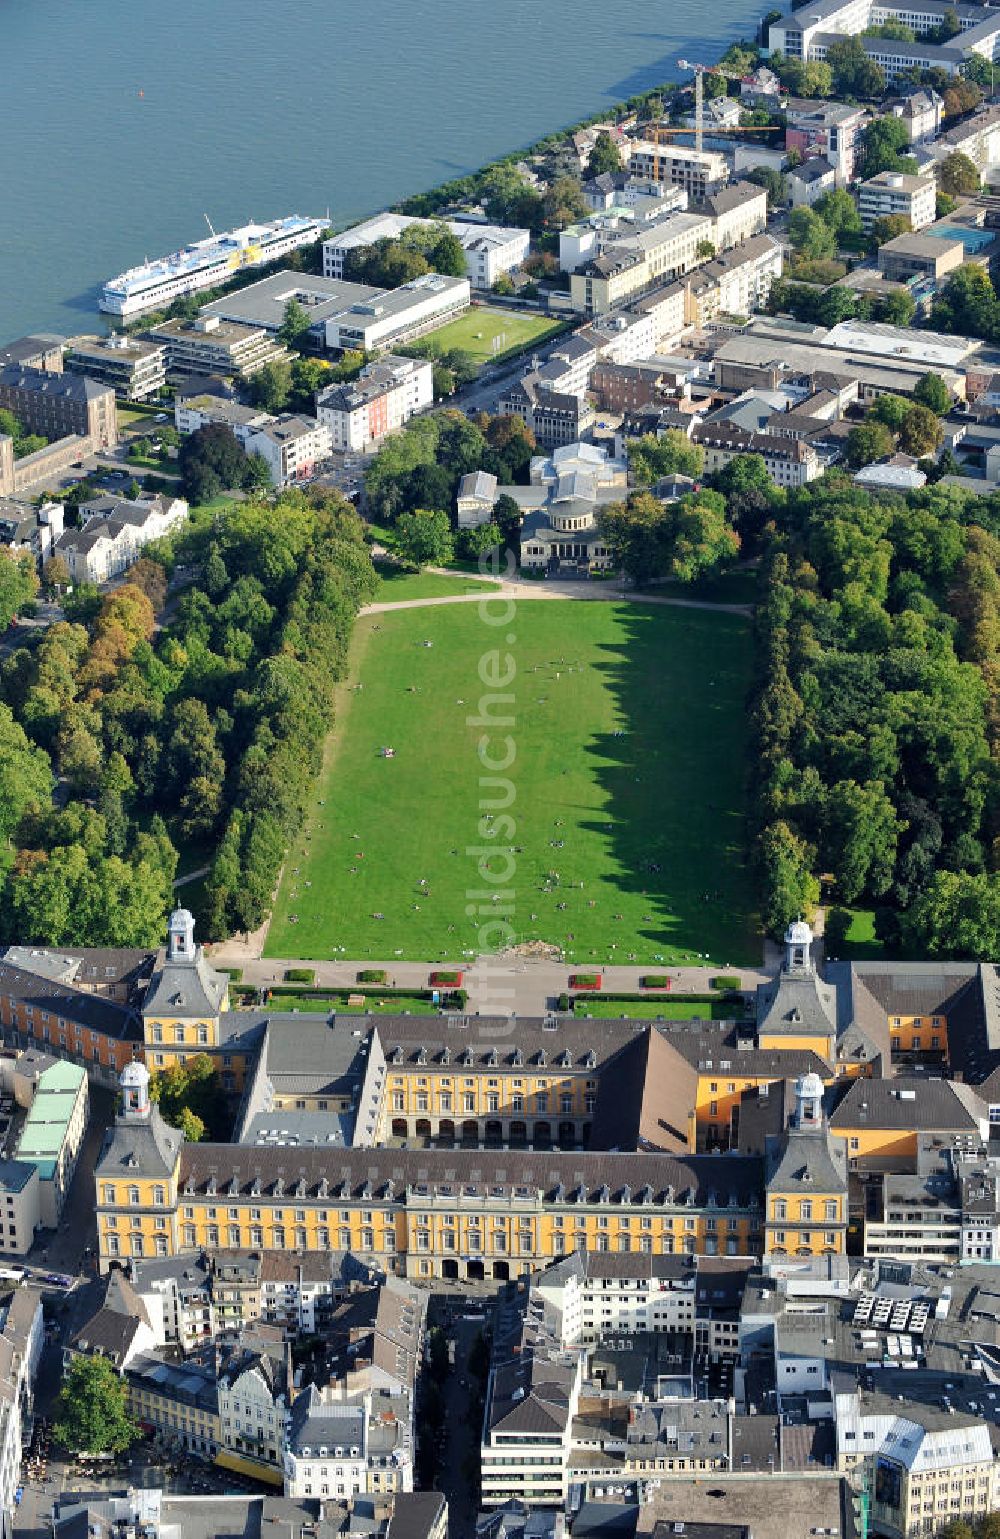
(126, 122)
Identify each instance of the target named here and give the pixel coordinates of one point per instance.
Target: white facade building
(490, 249)
(893, 193)
(392, 316)
(113, 534)
(22, 1337)
(385, 395)
(291, 447)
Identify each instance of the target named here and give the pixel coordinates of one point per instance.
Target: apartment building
(828, 129)
(22, 1337)
(789, 462)
(255, 1391)
(385, 395)
(291, 447)
(198, 411)
(31, 530)
(893, 193)
(738, 212)
(113, 533)
(698, 172)
(176, 1402)
(736, 283)
(639, 260)
(60, 405)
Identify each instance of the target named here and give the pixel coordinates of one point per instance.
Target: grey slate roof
(796, 1006)
(186, 987)
(140, 1148)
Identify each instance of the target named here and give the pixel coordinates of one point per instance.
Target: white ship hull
(204, 265)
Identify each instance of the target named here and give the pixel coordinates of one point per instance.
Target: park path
(592, 592)
(497, 985)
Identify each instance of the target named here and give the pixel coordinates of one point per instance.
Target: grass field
(474, 331)
(397, 1004)
(399, 585)
(628, 790)
(861, 943)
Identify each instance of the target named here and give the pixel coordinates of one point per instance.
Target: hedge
(373, 975)
(655, 981)
(585, 980)
(300, 975)
(727, 984)
(452, 978)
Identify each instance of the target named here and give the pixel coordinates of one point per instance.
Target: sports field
(627, 781)
(475, 331)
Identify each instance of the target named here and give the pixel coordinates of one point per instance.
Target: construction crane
(700, 71)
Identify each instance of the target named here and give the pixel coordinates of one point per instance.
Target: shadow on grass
(680, 682)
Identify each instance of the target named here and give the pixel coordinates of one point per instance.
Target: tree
(212, 453)
(671, 453)
(271, 387)
(424, 537)
(447, 255)
(55, 573)
(636, 533)
(835, 930)
(961, 97)
(958, 176)
(91, 1412)
(473, 543)
(921, 432)
(886, 228)
(18, 584)
(564, 202)
(773, 183)
(295, 324)
(957, 915)
(790, 891)
(860, 838)
(25, 775)
(867, 442)
(604, 157)
(190, 1097)
(810, 235)
(968, 304)
(257, 474)
(897, 309)
(838, 209)
(890, 409)
(932, 392)
(854, 74)
(884, 144)
(704, 250)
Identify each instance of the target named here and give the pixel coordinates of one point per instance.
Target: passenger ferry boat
(206, 264)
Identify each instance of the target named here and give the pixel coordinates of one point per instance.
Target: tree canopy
(91, 1412)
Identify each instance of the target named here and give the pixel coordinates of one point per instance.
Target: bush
(563, 1002)
(726, 984)
(300, 975)
(234, 974)
(455, 999)
(655, 981)
(373, 975)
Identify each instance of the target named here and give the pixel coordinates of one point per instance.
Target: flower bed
(373, 975)
(300, 975)
(584, 980)
(655, 981)
(449, 980)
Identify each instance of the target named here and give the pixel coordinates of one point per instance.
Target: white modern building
(291, 447)
(490, 249)
(892, 192)
(392, 316)
(22, 1336)
(385, 395)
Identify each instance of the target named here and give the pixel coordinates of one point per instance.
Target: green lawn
(474, 332)
(656, 1009)
(628, 787)
(398, 585)
(396, 1005)
(862, 944)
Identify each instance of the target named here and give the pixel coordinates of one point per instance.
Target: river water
(124, 122)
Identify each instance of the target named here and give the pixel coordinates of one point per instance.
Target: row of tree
(874, 715)
(211, 726)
